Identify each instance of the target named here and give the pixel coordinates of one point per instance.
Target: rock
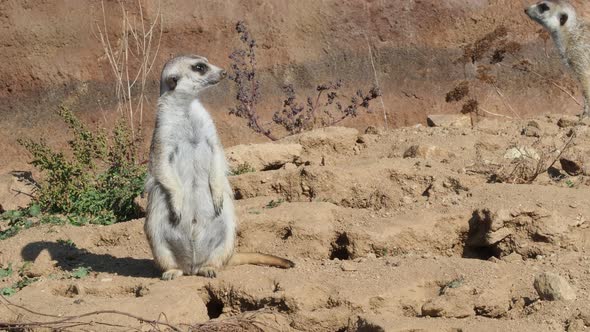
(449, 307)
(348, 266)
(572, 167)
(568, 121)
(492, 305)
(371, 130)
(449, 120)
(261, 157)
(513, 258)
(520, 152)
(141, 290)
(74, 290)
(16, 190)
(552, 287)
(576, 325)
(532, 129)
(575, 162)
(427, 152)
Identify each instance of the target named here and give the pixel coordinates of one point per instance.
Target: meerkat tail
(254, 258)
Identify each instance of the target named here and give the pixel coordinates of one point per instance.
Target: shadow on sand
(69, 257)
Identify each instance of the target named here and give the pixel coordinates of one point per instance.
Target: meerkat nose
(223, 73)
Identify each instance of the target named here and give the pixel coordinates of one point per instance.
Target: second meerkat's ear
(563, 19)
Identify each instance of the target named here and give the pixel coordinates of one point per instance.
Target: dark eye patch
(563, 19)
(543, 7)
(200, 68)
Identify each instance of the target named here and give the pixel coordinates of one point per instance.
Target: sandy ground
(385, 237)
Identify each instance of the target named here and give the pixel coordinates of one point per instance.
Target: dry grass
(131, 56)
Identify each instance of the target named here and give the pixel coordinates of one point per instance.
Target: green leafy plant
(16, 220)
(273, 204)
(8, 291)
(24, 268)
(6, 271)
(80, 272)
(67, 243)
(243, 168)
(23, 282)
(98, 183)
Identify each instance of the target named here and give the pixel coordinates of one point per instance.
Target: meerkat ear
(563, 19)
(171, 82)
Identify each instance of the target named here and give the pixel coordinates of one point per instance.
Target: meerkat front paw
(171, 274)
(217, 196)
(176, 202)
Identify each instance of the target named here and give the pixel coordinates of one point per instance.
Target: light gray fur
(571, 36)
(190, 220)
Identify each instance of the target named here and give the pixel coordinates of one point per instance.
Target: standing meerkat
(571, 36)
(190, 222)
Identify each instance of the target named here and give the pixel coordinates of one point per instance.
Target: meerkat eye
(563, 19)
(200, 68)
(543, 8)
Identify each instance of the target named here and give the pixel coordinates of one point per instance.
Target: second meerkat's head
(189, 74)
(554, 15)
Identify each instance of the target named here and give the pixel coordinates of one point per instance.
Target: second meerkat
(571, 36)
(190, 222)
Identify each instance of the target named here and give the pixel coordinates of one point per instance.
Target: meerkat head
(554, 15)
(189, 74)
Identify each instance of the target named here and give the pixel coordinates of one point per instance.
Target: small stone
(533, 124)
(407, 200)
(74, 289)
(567, 121)
(348, 266)
(371, 130)
(141, 290)
(521, 152)
(494, 259)
(106, 279)
(512, 258)
(531, 131)
(552, 287)
(489, 304)
(449, 121)
(576, 325)
(443, 307)
(572, 165)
